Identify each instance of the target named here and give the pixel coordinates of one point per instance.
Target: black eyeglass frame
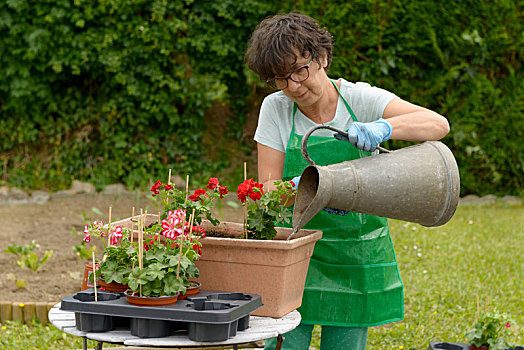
(273, 84)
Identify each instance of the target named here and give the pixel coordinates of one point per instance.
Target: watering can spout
(418, 184)
(313, 194)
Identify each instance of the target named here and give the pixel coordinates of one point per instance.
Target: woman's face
(309, 91)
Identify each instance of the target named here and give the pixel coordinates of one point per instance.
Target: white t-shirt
(276, 113)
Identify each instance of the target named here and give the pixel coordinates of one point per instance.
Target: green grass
(478, 254)
(14, 335)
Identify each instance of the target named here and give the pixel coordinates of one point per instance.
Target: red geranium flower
(197, 249)
(212, 183)
(196, 195)
(247, 189)
(223, 191)
(197, 231)
(149, 243)
(255, 195)
(156, 186)
(168, 187)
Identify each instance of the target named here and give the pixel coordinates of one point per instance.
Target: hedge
(118, 91)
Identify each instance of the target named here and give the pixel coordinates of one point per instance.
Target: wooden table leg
(85, 343)
(99, 345)
(280, 340)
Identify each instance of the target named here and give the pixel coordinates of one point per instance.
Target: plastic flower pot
(150, 301)
(191, 290)
(113, 286)
(88, 270)
(435, 345)
(276, 270)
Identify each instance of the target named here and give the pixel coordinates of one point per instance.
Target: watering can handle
(303, 145)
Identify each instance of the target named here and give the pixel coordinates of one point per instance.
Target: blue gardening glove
(335, 211)
(367, 136)
(294, 181)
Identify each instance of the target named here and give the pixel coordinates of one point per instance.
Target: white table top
(259, 328)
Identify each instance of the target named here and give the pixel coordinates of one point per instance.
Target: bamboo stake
(245, 204)
(109, 227)
(269, 186)
(169, 183)
(140, 244)
(94, 277)
(181, 246)
(187, 186)
(132, 224)
(192, 222)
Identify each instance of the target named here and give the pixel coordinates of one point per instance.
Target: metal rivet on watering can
(419, 184)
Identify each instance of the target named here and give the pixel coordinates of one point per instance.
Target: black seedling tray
(207, 316)
(434, 345)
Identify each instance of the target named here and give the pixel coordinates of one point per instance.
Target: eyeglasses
(298, 75)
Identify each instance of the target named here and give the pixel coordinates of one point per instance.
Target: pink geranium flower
(172, 226)
(115, 235)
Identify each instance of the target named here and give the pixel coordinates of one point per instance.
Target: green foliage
(118, 260)
(15, 336)
(21, 284)
(82, 252)
(167, 264)
(114, 91)
(490, 331)
(462, 59)
(159, 275)
(267, 209)
(26, 256)
(117, 91)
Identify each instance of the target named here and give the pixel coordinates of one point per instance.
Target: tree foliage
(107, 91)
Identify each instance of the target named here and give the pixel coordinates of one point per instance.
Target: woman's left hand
(367, 136)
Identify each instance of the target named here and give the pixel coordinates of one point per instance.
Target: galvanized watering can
(419, 184)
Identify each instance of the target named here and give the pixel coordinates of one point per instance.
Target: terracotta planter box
(276, 270)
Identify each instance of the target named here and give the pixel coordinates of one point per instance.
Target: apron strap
(345, 102)
(295, 107)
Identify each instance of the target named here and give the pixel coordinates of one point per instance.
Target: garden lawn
(478, 255)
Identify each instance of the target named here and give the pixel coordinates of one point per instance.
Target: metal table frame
(260, 328)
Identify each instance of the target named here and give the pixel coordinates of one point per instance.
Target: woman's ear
(324, 61)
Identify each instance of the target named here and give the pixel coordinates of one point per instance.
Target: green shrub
(113, 91)
(462, 59)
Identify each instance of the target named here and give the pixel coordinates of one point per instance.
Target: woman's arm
(270, 166)
(414, 123)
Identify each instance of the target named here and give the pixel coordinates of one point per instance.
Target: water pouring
(418, 184)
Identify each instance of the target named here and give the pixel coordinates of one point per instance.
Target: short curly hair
(275, 42)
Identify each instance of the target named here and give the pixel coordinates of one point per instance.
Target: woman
(353, 281)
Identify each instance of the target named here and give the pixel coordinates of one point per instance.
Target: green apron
(353, 278)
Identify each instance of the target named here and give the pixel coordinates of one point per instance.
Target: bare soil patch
(50, 225)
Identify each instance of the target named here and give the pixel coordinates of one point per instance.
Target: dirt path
(50, 225)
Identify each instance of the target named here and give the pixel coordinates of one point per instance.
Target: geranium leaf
(172, 285)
